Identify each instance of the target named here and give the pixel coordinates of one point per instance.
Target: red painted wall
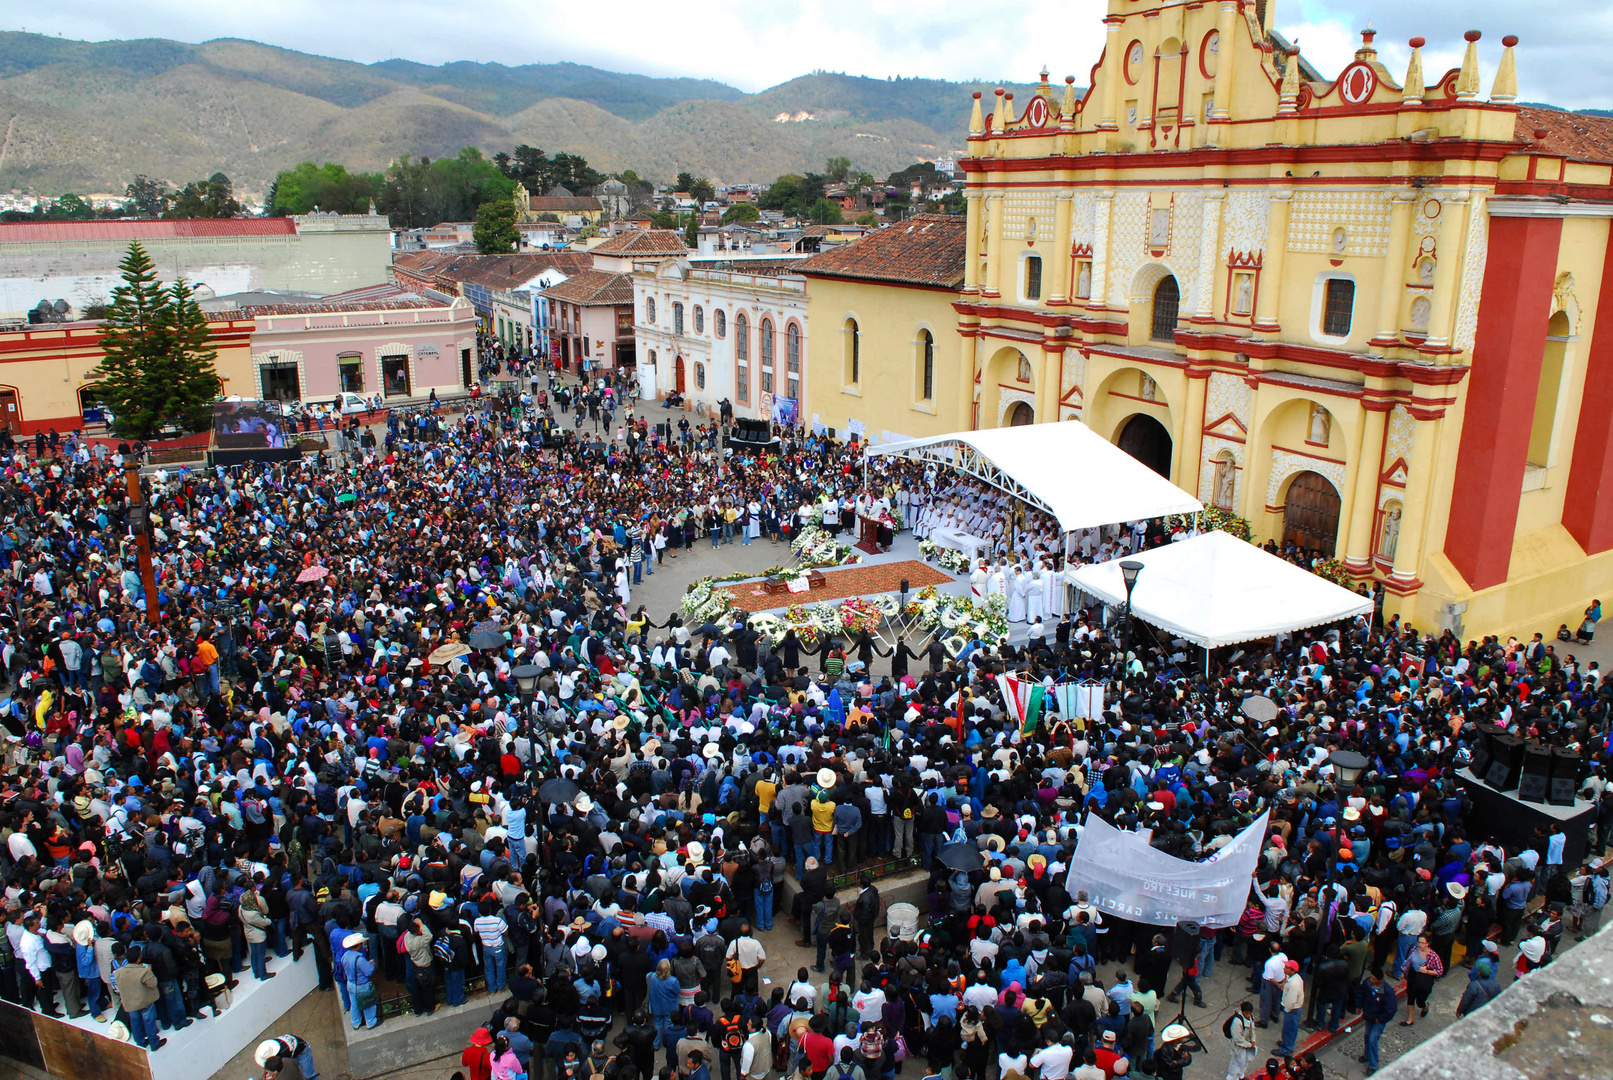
(1588, 507)
(1511, 338)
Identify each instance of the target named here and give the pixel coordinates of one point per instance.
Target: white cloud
(755, 45)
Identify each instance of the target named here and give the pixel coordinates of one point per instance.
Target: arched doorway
(1146, 439)
(1021, 414)
(1311, 513)
(677, 374)
(1167, 302)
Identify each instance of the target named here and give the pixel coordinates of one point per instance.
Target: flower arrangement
(959, 617)
(858, 615)
(953, 560)
(1213, 517)
(1333, 570)
(814, 547)
(703, 602)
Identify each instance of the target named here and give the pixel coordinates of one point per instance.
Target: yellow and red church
(1360, 312)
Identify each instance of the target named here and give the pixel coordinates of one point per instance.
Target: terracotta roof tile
(925, 249)
(644, 242)
(510, 271)
(1571, 135)
(24, 231)
(593, 288)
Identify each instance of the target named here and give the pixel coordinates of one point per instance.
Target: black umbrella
(965, 857)
(558, 790)
(487, 639)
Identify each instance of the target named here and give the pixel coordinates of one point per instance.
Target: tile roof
(29, 231)
(326, 307)
(548, 204)
(510, 271)
(925, 249)
(644, 242)
(593, 288)
(1575, 136)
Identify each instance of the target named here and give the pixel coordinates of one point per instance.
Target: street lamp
(1349, 765)
(1129, 571)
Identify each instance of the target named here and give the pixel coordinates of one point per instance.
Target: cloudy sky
(753, 45)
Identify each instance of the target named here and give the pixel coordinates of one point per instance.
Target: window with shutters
(792, 360)
(767, 355)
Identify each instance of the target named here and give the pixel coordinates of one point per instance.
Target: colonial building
(881, 311)
(1361, 312)
(728, 327)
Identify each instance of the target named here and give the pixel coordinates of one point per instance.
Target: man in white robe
(1016, 599)
(1035, 596)
(996, 581)
(977, 582)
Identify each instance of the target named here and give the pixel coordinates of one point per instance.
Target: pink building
(379, 340)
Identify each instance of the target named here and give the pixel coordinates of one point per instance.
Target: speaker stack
(1535, 780)
(1482, 753)
(1567, 774)
(1506, 762)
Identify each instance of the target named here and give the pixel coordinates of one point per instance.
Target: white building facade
(737, 333)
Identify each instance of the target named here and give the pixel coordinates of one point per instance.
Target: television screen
(248, 425)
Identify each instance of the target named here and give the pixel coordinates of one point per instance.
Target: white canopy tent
(1065, 469)
(1214, 589)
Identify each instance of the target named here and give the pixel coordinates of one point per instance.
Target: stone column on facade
(1209, 247)
(1448, 258)
(1588, 509)
(1150, 72)
(1256, 465)
(969, 347)
(1113, 74)
(1190, 432)
(1103, 203)
(1271, 270)
(1419, 490)
(1363, 512)
(1048, 381)
(971, 247)
(1061, 248)
(1393, 285)
(994, 244)
(1226, 25)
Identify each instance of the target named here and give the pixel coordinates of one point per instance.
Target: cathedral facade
(1361, 312)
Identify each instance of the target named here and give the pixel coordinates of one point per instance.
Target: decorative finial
(977, 119)
(1505, 88)
(1412, 89)
(1467, 81)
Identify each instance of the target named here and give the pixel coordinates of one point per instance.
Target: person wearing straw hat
(1171, 1057)
(358, 972)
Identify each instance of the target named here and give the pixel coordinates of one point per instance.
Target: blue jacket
(1379, 1005)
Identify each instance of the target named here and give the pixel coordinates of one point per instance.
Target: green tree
(495, 232)
(210, 198)
(691, 234)
(684, 181)
(71, 207)
(740, 211)
(663, 219)
(157, 363)
(146, 198)
(328, 187)
(826, 212)
(702, 191)
(868, 217)
(837, 169)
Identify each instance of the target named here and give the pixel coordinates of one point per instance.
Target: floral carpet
(841, 583)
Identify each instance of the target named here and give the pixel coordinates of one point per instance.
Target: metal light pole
(140, 529)
(526, 684)
(1129, 570)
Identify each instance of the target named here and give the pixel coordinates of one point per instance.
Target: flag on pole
(1033, 710)
(1016, 696)
(1069, 705)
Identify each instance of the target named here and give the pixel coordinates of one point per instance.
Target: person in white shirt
(869, 1003)
(1053, 1061)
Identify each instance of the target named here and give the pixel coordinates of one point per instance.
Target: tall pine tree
(157, 366)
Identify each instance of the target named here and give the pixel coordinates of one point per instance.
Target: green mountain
(88, 116)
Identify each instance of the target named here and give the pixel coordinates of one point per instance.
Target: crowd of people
(305, 755)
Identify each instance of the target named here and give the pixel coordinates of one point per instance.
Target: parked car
(348, 403)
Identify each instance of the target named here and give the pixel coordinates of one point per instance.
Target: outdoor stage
(1513, 822)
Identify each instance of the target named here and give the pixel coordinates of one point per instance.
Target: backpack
(1226, 1028)
(867, 908)
(443, 949)
(735, 972)
(730, 1037)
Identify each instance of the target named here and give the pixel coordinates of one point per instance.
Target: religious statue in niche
(1159, 228)
(1243, 294)
(1024, 374)
(1425, 270)
(1341, 240)
(1147, 388)
(1083, 281)
(1030, 229)
(1389, 532)
(1222, 493)
(1131, 113)
(1321, 425)
(1421, 310)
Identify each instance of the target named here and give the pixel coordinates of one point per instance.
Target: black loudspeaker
(1482, 754)
(1506, 761)
(1185, 943)
(1567, 773)
(1536, 776)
